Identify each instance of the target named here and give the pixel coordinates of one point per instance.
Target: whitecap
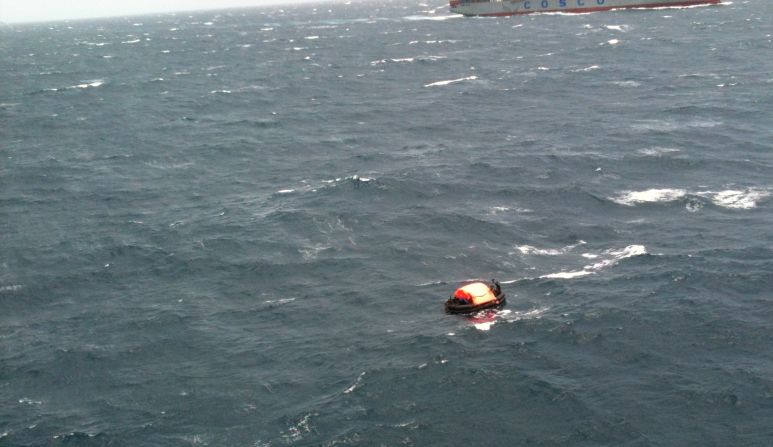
(280, 301)
(511, 316)
(610, 258)
(736, 199)
(299, 430)
(85, 84)
(631, 198)
(485, 326)
(657, 151)
(530, 250)
(670, 126)
(511, 281)
(485, 320)
(568, 275)
(451, 81)
(357, 178)
(586, 69)
(732, 199)
(169, 165)
(433, 17)
(310, 253)
(628, 84)
(404, 60)
(693, 206)
(618, 255)
(327, 183)
(700, 75)
(356, 383)
(11, 288)
(704, 123)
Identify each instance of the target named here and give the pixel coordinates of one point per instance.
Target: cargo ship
(513, 7)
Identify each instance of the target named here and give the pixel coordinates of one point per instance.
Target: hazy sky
(43, 10)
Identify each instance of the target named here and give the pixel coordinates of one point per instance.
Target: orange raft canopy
(475, 295)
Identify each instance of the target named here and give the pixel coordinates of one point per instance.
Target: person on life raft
(477, 293)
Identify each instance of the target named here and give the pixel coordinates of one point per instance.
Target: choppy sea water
(239, 227)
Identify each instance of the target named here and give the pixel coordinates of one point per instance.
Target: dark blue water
(239, 228)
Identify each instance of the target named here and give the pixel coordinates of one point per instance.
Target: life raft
(475, 295)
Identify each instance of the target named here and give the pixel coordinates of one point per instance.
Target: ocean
(239, 228)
